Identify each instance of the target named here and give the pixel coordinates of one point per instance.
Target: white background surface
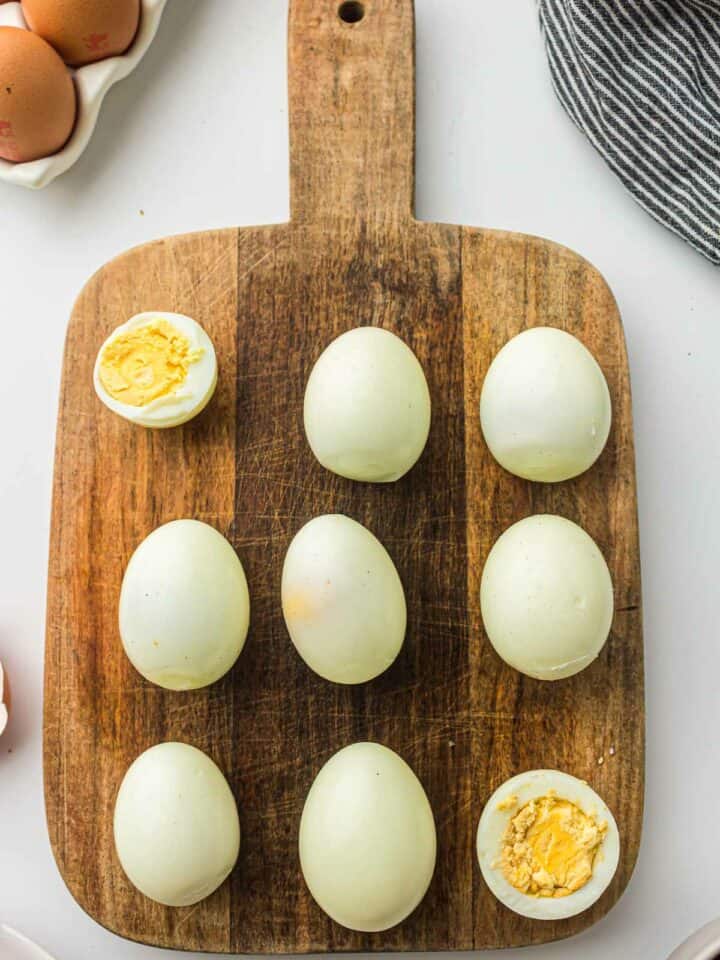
(495, 149)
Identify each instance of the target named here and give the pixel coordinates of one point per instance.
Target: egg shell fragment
(343, 601)
(545, 406)
(176, 825)
(546, 597)
(184, 606)
(502, 806)
(367, 838)
(367, 406)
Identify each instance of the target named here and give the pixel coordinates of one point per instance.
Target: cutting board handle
(352, 110)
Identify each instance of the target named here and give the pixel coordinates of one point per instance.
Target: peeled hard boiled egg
(367, 838)
(546, 597)
(177, 832)
(548, 846)
(184, 606)
(367, 406)
(342, 599)
(157, 370)
(83, 31)
(37, 97)
(545, 406)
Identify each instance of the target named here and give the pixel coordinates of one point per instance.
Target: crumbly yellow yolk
(146, 363)
(549, 847)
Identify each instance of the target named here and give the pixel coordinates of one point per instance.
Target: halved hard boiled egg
(176, 825)
(547, 844)
(157, 370)
(184, 606)
(343, 601)
(367, 838)
(546, 597)
(545, 406)
(367, 406)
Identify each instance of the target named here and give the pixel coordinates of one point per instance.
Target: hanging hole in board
(351, 11)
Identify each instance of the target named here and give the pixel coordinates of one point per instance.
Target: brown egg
(83, 31)
(37, 97)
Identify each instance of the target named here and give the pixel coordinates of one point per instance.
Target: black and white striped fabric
(641, 79)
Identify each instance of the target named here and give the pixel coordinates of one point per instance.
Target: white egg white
(176, 825)
(546, 597)
(367, 838)
(367, 406)
(184, 606)
(191, 397)
(343, 601)
(545, 407)
(495, 819)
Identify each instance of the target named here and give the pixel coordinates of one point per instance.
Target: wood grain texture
(272, 298)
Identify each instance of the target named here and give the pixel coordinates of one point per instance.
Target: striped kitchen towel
(641, 79)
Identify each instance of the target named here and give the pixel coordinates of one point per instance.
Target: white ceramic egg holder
(18, 946)
(91, 83)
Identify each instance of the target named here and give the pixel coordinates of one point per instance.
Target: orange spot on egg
(299, 605)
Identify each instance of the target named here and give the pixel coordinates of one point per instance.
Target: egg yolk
(549, 847)
(146, 363)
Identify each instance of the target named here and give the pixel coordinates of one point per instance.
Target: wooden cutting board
(272, 298)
